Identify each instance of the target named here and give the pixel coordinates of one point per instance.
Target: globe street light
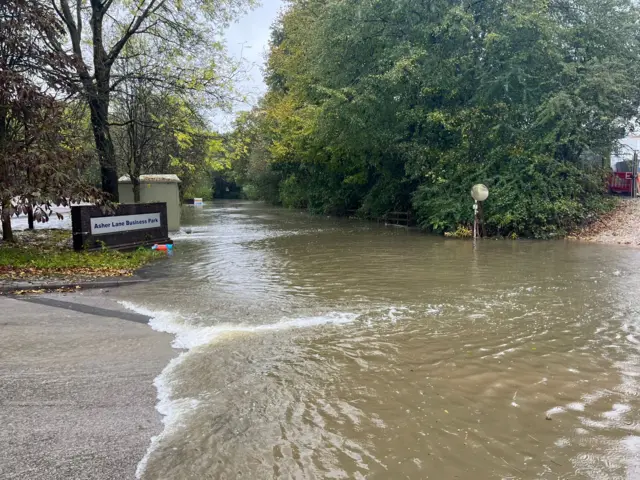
(479, 193)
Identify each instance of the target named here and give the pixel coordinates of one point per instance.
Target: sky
(248, 39)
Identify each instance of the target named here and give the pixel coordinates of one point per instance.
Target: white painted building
(155, 188)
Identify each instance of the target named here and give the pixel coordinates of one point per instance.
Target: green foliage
(293, 194)
(403, 106)
(530, 197)
(164, 133)
(202, 189)
(460, 232)
(248, 159)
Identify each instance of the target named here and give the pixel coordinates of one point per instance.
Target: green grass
(49, 252)
(31, 257)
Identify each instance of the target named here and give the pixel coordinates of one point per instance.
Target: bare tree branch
(134, 27)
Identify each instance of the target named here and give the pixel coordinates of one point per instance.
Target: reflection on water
(325, 348)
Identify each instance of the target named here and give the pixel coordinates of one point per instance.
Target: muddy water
(320, 348)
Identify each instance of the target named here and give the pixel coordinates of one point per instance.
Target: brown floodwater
(319, 348)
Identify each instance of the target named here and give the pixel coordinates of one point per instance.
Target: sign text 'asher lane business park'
(124, 223)
(122, 227)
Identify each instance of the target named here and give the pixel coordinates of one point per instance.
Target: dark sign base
(84, 240)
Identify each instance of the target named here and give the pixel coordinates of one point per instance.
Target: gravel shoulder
(620, 227)
(77, 399)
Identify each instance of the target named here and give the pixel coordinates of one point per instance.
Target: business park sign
(124, 223)
(124, 226)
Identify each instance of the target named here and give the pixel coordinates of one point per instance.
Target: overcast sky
(249, 39)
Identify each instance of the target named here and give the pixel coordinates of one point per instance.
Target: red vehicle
(622, 183)
(621, 179)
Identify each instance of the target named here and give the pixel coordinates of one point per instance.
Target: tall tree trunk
(7, 232)
(5, 218)
(99, 107)
(135, 181)
(99, 94)
(30, 217)
(135, 176)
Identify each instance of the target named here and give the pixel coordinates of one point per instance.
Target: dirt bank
(620, 227)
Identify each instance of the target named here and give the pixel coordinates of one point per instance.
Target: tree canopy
(40, 160)
(181, 51)
(396, 105)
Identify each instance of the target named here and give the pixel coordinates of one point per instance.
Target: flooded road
(323, 348)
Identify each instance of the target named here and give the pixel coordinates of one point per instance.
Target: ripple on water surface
(323, 348)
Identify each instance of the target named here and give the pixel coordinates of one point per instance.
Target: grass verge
(48, 254)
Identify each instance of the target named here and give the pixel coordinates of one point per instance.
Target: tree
(138, 134)
(402, 105)
(38, 161)
(192, 150)
(160, 133)
(157, 124)
(248, 157)
(182, 32)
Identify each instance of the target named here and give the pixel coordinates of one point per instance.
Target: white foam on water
(187, 337)
(631, 446)
(555, 411)
(617, 411)
(591, 398)
(504, 352)
(172, 411)
(576, 406)
(434, 309)
(397, 313)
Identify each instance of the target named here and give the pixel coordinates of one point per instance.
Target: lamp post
(634, 175)
(479, 193)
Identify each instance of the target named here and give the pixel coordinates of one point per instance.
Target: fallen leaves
(38, 291)
(43, 256)
(620, 226)
(9, 272)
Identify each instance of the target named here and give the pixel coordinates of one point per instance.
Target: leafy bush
(535, 197)
(203, 189)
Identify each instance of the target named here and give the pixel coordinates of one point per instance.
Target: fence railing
(401, 219)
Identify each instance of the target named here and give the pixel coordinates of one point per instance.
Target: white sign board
(124, 223)
(198, 202)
